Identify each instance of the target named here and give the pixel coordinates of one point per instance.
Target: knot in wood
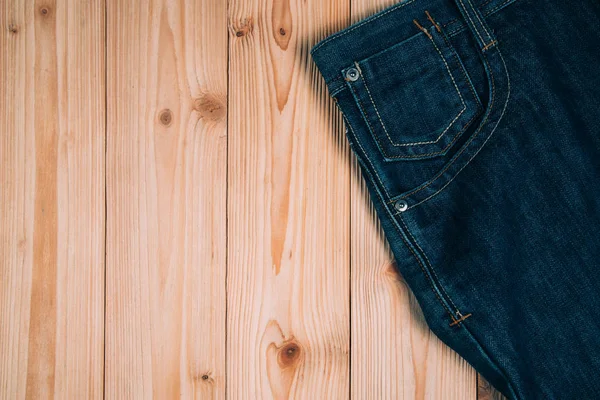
(289, 354)
(165, 117)
(210, 107)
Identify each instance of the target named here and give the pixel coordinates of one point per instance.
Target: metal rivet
(401, 205)
(352, 74)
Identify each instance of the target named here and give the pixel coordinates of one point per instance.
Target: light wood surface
(166, 193)
(52, 138)
(288, 209)
(181, 216)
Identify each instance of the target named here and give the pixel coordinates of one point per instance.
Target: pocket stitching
(444, 131)
(467, 124)
(437, 177)
(484, 143)
(475, 115)
(474, 25)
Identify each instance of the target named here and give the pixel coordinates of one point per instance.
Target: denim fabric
(477, 128)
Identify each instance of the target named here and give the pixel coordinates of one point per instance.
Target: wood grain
(394, 354)
(288, 207)
(52, 134)
(166, 196)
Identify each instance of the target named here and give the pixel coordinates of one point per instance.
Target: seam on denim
(499, 7)
(428, 262)
(462, 68)
(444, 131)
(483, 123)
(475, 115)
(366, 21)
(465, 126)
(472, 23)
(366, 119)
(428, 278)
(476, 12)
(349, 125)
(489, 45)
(332, 94)
(333, 80)
(484, 142)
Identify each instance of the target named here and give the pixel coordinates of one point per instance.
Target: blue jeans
(477, 127)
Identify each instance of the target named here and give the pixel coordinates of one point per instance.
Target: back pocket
(415, 97)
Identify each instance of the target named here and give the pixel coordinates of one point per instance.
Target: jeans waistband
(388, 27)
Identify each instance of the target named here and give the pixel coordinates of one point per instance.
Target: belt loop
(476, 22)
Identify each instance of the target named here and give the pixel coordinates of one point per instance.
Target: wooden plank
(394, 354)
(52, 130)
(288, 207)
(166, 198)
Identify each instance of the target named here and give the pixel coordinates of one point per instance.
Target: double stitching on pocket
(415, 96)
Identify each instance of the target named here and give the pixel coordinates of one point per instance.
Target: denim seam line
(336, 91)
(430, 265)
(470, 19)
(462, 68)
(434, 284)
(491, 40)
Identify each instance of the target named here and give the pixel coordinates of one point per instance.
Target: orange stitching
(457, 321)
(429, 17)
(487, 46)
(422, 29)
